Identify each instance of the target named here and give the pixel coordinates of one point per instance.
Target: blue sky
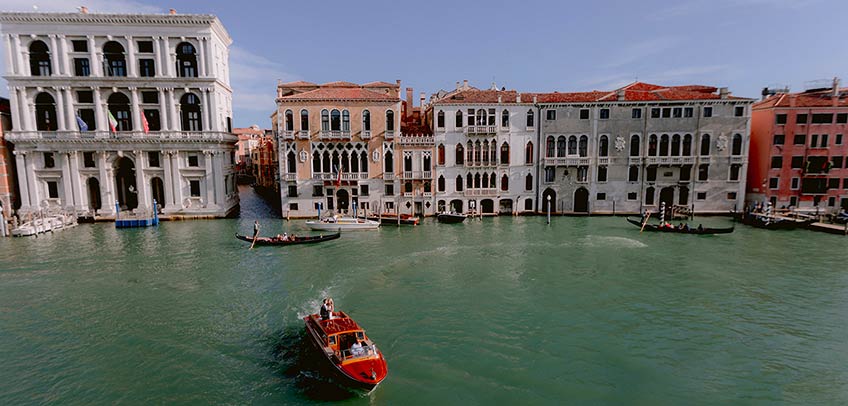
(526, 45)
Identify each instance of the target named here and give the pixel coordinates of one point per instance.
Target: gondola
(451, 218)
(698, 231)
(296, 241)
(766, 222)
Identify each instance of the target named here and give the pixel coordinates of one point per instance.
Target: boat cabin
(339, 336)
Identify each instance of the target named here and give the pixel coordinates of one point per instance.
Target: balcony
(427, 194)
(604, 161)
(670, 160)
(704, 159)
(121, 136)
(290, 177)
(287, 135)
(480, 164)
(303, 135)
(481, 192)
(416, 175)
(634, 160)
(567, 161)
(738, 159)
(390, 134)
(416, 140)
(365, 135)
(334, 135)
(388, 176)
(335, 176)
(407, 194)
(481, 130)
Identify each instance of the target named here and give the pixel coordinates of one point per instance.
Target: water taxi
(451, 218)
(358, 362)
(338, 223)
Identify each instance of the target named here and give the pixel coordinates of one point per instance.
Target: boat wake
(619, 242)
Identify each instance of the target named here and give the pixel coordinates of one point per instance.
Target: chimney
(172, 11)
(518, 97)
(465, 84)
(500, 99)
(765, 93)
(421, 96)
(723, 93)
(408, 101)
(534, 99)
(457, 85)
(83, 10)
(620, 95)
(279, 92)
(835, 94)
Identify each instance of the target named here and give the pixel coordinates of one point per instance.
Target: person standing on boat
(255, 228)
(325, 309)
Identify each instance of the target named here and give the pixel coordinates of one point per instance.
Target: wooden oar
(255, 236)
(644, 223)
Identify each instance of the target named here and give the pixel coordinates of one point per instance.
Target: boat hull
(451, 218)
(343, 225)
(386, 220)
(695, 231)
(298, 241)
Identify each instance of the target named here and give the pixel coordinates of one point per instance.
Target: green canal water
(495, 311)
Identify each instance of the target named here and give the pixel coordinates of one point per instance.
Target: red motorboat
(353, 355)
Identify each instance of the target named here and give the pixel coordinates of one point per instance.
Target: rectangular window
(703, 171)
(685, 173)
(688, 112)
(666, 112)
(82, 67)
(145, 47)
(814, 141)
(793, 201)
(797, 162)
(831, 201)
(633, 175)
(52, 189)
(631, 196)
(739, 111)
(363, 190)
(85, 96)
(655, 112)
(708, 111)
(88, 160)
(779, 139)
(833, 183)
(837, 161)
(731, 195)
(677, 112)
(776, 162)
(636, 113)
(152, 117)
(701, 196)
(584, 114)
(842, 118)
(293, 207)
(146, 68)
(87, 116)
(823, 118)
(773, 183)
(153, 159)
(390, 189)
(292, 191)
(824, 141)
(550, 114)
(651, 174)
(800, 139)
(602, 196)
(838, 139)
(148, 97)
(845, 183)
(194, 187)
(780, 119)
(795, 183)
(49, 162)
(602, 174)
(604, 115)
(193, 161)
(734, 172)
(550, 174)
(80, 45)
(800, 119)
(317, 190)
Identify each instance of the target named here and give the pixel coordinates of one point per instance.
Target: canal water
(495, 311)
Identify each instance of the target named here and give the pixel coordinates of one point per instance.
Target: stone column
(76, 187)
(69, 107)
(201, 62)
(175, 117)
(96, 64)
(177, 179)
(10, 55)
(20, 160)
(107, 204)
(131, 62)
(220, 198)
(22, 65)
(163, 111)
(60, 109)
(135, 110)
(68, 194)
(210, 179)
(169, 187)
(99, 112)
(29, 112)
(157, 56)
(168, 67)
(54, 56)
(204, 106)
(17, 124)
(140, 184)
(214, 124)
(63, 44)
(35, 201)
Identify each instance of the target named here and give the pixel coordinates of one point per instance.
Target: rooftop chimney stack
(500, 99)
(422, 97)
(518, 97)
(172, 11)
(723, 93)
(465, 84)
(835, 94)
(457, 85)
(409, 102)
(83, 10)
(620, 95)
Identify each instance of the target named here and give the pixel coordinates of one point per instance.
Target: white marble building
(122, 108)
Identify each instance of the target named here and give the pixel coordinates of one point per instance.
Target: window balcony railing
(481, 192)
(417, 175)
(737, 159)
(388, 176)
(670, 160)
(481, 130)
(416, 140)
(407, 194)
(289, 177)
(704, 159)
(603, 160)
(334, 135)
(428, 194)
(303, 135)
(390, 134)
(634, 160)
(120, 136)
(345, 176)
(567, 161)
(365, 135)
(480, 164)
(288, 135)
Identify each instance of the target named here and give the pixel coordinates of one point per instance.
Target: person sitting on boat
(279, 238)
(686, 227)
(291, 238)
(700, 227)
(285, 236)
(356, 349)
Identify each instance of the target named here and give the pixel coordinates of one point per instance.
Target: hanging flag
(339, 179)
(81, 123)
(144, 124)
(113, 123)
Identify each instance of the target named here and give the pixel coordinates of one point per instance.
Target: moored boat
(451, 218)
(392, 219)
(337, 223)
(358, 363)
(685, 230)
(771, 222)
(291, 240)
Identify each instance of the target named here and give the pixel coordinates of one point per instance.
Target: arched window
(528, 153)
(584, 146)
(119, 108)
(407, 187)
(528, 182)
(705, 145)
(316, 163)
(477, 152)
(45, 112)
(664, 145)
(459, 119)
(292, 162)
(493, 152)
(504, 183)
(441, 183)
(460, 154)
(407, 163)
(427, 165)
(190, 112)
(325, 120)
(492, 180)
(366, 120)
(675, 145)
(389, 163)
(469, 181)
(485, 152)
(304, 120)
(603, 146)
(440, 119)
(504, 154)
(736, 148)
(649, 196)
(186, 60)
(390, 120)
(505, 119)
(561, 148)
(440, 159)
(481, 183)
(363, 162)
(549, 147)
(687, 145)
(326, 163)
(572, 145)
(634, 145)
(633, 175)
(289, 120)
(481, 116)
(39, 59)
(469, 150)
(652, 145)
(345, 121)
(531, 122)
(335, 120)
(459, 183)
(354, 162)
(113, 57)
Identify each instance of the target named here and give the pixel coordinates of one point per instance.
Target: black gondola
(766, 222)
(296, 241)
(451, 218)
(699, 231)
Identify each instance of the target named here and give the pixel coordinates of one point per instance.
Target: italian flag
(113, 123)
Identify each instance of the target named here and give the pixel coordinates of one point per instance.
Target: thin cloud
(641, 50)
(254, 80)
(676, 76)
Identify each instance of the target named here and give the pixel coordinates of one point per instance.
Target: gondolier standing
(255, 232)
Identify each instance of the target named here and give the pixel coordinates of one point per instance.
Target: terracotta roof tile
(340, 93)
(816, 99)
(299, 83)
(339, 84)
(476, 96)
(380, 84)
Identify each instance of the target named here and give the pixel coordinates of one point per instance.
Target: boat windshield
(362, 352)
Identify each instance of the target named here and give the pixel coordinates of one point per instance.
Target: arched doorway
(157, 187)
(343, 199)
(487, 206)
(456, 206)
(667, 196)
(505, 206)
(125, 184)
(94, 202)
(581, 200)
(549, 196)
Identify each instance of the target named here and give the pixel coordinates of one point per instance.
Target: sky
(529, 46)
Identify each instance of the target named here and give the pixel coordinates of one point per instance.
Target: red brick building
(8, 195)
(799, 154)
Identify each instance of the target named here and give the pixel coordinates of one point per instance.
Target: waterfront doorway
(158, 189)
(419, 209)
(549, 198)
(667, 197)
(487, 206)
(125, 184)
(94, 202)
(342, 199)
(581, 200)
(505, 206)
(456, 205)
